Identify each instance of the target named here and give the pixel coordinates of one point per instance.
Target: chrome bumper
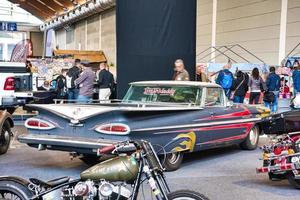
(71, 144)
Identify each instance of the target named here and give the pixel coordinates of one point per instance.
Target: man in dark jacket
(273, 85)
(240, 87)
(105, 81)
(72, 75)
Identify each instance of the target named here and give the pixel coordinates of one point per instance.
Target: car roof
(181, 83)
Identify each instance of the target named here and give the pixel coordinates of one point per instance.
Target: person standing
(72, 74)
(239, 87)
(180, 73)
(85, 82)
(225, 79)
(296, 79)
(105, 82)
(273, 85)
(256, 86)
(61, 89)
(200, 73)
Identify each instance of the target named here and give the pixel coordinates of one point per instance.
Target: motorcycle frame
(156, 174)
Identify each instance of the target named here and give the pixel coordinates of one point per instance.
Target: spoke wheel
(11, 190)
(7, 195)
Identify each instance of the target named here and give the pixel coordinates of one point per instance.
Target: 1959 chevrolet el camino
(180, 116)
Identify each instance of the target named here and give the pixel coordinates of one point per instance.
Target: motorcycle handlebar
(122, 147)
(106, 150)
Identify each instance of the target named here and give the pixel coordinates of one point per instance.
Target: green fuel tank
(121, 168)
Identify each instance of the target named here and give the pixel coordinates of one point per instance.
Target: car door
(222, 126)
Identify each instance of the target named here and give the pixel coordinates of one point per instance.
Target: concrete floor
(221, 174)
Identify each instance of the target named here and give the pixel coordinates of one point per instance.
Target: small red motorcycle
(281, 158)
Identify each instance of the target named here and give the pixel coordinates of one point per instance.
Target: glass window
(214, 97)
(10, 48)
(161, 93)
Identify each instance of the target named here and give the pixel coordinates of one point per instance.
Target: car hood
(81, 112)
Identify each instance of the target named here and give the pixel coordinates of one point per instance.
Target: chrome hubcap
(174, 157)
(4, 138)
(253, 136)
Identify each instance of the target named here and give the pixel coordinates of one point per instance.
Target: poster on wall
(22, 51)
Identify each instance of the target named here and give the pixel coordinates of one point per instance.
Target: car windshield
(164, 94)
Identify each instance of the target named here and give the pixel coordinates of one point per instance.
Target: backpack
(269, 97)
(227, 80)
(60, 83)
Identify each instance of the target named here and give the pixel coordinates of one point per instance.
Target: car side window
(214, 97)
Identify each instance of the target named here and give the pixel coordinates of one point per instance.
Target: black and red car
(180, 116)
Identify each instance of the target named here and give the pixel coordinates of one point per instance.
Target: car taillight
(9, 83)
(34, 123)
(114, 129)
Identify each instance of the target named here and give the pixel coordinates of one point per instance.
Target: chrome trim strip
(197, 125)
(37, 140)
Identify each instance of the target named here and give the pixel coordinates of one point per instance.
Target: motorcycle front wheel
(294, 182)
(10, 190)
(186, 195)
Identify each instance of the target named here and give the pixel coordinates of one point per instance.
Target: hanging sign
(8, 26)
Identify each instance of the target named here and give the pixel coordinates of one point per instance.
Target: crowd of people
(78, 82)
(237, 85)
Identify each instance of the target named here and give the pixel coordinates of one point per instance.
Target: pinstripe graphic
(198, 125)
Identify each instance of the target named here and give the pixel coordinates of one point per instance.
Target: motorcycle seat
(50, 183)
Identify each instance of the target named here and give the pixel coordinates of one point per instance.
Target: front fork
(157, 183)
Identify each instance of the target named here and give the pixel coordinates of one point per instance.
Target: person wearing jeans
(255, 83)
(240, 87)
(296, 79)
(72, 74)
(86, 84)
(273, 85)
(274, 105)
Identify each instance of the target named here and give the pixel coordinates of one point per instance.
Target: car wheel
(250, 143)
(5, 137)
(294, 182)
(172, 161)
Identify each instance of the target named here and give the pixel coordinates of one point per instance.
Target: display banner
(22, 51)
(50, 36)
(151, 35)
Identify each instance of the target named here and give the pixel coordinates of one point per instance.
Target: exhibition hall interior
(142, 100)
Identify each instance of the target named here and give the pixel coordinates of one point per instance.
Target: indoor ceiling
(48, 9)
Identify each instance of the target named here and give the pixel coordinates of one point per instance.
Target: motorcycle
(281, 159)
(120, 178)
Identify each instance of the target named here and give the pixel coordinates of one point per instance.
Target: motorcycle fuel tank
(121, 168)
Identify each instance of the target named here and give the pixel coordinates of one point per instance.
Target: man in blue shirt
(296, 79)
(273, 85)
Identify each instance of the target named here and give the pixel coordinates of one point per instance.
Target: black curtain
(151, 35)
